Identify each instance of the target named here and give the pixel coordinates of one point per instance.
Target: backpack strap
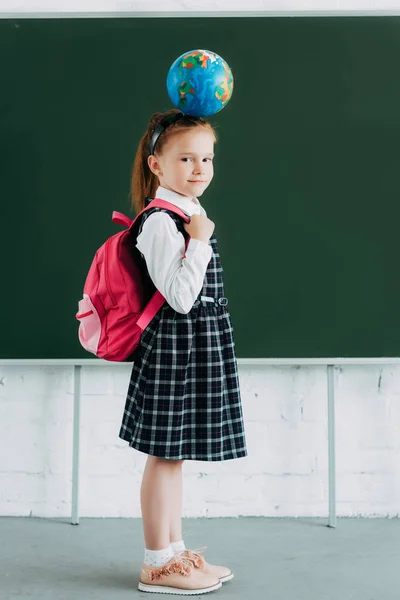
(157, 300)
(158, 203)
(150, 310)
(121, 219)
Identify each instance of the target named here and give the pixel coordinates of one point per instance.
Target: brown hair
(144, 182)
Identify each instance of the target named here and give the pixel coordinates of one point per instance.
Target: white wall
(285, 474)
(209, 6)
(285, 408)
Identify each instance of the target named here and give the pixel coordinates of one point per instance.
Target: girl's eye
(188, 158)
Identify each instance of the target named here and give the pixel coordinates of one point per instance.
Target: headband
(162, 127)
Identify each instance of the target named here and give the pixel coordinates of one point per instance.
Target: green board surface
(305, 196)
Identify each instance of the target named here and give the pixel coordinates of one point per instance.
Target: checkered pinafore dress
(183, 400)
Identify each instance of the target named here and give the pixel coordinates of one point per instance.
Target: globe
(200, 83)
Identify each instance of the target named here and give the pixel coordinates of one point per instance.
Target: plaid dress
(183, 400)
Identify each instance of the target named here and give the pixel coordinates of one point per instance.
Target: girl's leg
(175, 520)
(157, 498)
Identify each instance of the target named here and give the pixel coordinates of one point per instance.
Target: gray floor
(273, 559)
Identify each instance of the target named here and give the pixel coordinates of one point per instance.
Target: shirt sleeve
(179, 279)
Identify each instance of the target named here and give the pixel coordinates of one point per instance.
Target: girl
(183, 401)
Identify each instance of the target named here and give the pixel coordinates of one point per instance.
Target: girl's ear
(154, 165)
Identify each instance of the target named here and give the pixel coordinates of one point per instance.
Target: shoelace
(179, 556)
(197, 551)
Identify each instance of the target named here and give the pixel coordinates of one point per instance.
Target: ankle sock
(158, 558)
(178, 546)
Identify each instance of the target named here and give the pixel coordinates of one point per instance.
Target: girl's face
(186, 163)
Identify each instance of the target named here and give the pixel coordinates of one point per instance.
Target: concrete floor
(273, 559)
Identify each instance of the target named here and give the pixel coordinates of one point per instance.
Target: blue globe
(200, 83)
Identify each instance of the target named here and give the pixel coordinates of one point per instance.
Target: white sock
(178, 546)
(158, 558)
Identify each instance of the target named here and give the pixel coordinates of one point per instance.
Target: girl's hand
(200, 228)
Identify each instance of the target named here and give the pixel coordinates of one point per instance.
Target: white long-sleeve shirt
(179, 279)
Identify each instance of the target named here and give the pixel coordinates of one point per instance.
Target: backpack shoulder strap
(163, 204)
(121, 219)
(157, 300)
(158, 203)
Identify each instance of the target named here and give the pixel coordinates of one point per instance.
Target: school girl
(183, 401)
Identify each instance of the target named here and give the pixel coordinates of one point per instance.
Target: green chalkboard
(305, 196)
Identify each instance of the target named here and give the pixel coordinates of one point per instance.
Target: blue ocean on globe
(200, 83)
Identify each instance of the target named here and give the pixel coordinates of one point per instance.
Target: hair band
(162, 127)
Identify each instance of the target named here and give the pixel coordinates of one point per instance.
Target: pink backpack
(115, 308)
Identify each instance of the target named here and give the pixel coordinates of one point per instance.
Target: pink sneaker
(178, 576)
(194, 556)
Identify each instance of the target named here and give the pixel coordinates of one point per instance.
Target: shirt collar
(186, 203)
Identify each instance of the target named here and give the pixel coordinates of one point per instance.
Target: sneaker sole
(159, 589)
(227, 578)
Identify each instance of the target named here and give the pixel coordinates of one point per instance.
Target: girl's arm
(179, 279)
